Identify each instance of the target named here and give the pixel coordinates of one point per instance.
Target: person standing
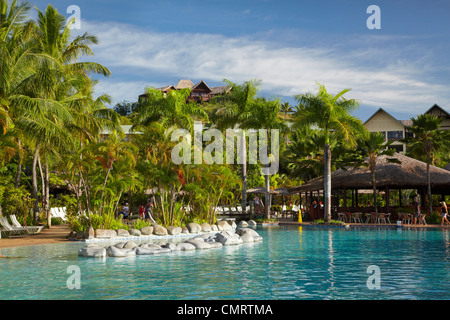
(444, 213)
(258, 205)
(416, 206)
(126, 210)
(148, 211)
(141, 211)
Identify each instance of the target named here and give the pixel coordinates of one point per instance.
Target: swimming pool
(290, 263)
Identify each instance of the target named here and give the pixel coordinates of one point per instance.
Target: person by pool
(444, 212)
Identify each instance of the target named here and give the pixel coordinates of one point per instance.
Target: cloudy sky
(404, 67)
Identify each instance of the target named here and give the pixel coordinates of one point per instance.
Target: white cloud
(285, 71)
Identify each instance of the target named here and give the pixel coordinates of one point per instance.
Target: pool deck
(289, 222)
(57, 233)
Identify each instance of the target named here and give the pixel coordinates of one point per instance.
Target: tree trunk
(34, 184)
(430, 202)
(267, 194)
(103, 190)
(327, 182)
(19, 166)
(47, 195)
(244, 172)
(374, 191)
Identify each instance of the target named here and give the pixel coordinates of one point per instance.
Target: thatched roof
(220, 90)
(279, 191)
(409, 174)
(183, 84)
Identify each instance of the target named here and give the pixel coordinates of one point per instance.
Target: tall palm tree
(370, 147)
(430, 139)
(285, 109)
(264, 115)
(16, 64)
(234, 109)
(58, 80)
(331, 113)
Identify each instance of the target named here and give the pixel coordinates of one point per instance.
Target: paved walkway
(307, 223)
(57, 233)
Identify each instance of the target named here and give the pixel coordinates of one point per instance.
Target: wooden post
(387, 200)
(345, 199)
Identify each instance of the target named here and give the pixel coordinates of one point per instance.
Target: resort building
(390, 127)
(200, 92)
(393, 129)
(440, 113)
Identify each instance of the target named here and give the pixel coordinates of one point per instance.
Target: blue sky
(289, 45)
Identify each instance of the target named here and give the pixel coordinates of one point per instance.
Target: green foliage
(105, 221)
(138, 224)
(16, 200)
(434, 218)
(321, 221)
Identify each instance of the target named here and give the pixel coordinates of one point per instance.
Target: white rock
(92, 251)
(199, 244)
(206, 227)
(194, 227)
(228, 238)
(183, 246)
(173, 230)
(116, 252)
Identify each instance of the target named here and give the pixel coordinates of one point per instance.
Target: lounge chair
(58, 213)
(54, 212)
(10, 230)
(30, 229)
(62, 213)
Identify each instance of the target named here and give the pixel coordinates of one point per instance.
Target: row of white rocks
(158, 230)
(200, 242)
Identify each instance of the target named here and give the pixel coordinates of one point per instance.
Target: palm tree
(331, 113)
(56, 83)
(170, 109)
(234, 109)
(15, 66)
(285, 109)
(264, 115)
(428, 138)
(370, 147)
(114, 149)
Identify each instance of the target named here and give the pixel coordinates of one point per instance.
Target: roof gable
(437, 111)
(382, 110)
(201, 86)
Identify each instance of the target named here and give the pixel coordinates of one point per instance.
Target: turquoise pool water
(291, 263)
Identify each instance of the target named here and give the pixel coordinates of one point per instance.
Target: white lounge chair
(30, 229)
(54, 212)
(59, 213)
(10, 230)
